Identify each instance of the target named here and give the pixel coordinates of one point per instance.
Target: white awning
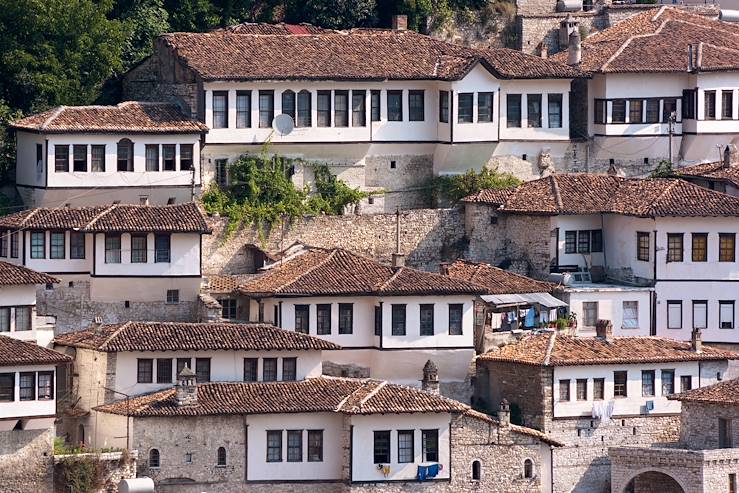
(543, 299)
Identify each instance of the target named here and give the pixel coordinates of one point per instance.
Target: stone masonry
(26, 461)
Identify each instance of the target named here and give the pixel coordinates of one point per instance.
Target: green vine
(455, 187)
(83, 474)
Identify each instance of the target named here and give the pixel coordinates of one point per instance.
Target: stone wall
(26, 461)
(699, 424)
(110, 468)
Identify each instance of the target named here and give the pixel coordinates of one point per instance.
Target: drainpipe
(603, 240)
(551, 468)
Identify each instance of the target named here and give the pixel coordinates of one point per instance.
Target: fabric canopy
(543, 299)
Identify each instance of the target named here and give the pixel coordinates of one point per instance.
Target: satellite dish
(283, 124)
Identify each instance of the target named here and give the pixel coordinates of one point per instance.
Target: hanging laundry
(422, 473)
(530, 320)
(433, 470)
(386, 471)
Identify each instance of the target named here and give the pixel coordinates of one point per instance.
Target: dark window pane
(45, 385)
(416, 107)
(323, 319)
(139, 248)
(636, 107)
(250, 369)
(289, 369)
(315, 445)
(151, 152)
(302, 318)
(186, 157)
(98, 158)
(533, 106)
(79, 158)
(202, 370)
(375, 106)
(7, 387)
(269, 369)
(294, 445)
(709, 108)
(341, 108)
(398, 320)
(427, 319)
(266, 108)
(288, 103)
(304, 109)
(145, 370)
(618, 111)
(485, 107)
(359, 111)
(464, 112)
(430, 445)
(61, 158)
(27, 386)
(243, 109)
(406, 452)
(381, 453)
(220, 109)
(652, 110)
(38, 244)
(274, 446)
(513, 110)
(164, 370)
(570, 241)
(162, 248)
(727, 105)
(455, 319)
(444, 106)
(669, 106)
(57, 245)
(323, 108)
(168, 157)
(346, 318)
(395, 106)
(554, 108)
(674, 247)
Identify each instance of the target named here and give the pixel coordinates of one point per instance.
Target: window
(125, 155)
(154, 458)
(222, 173)
(636, 107)
(476, 470)
(426, 319)
(528, 468)
(324, 108)
(139, 248)
(168, 157)
(79, 158)
(732, 482)
(294, 445)
(668, 382)
(724, 433)
(674, 314)
(250, 369)
(302, 318)
(202, 370)
(145, 372)
(14, 244)
(186, 157)
(288, 103)
(22, 318)
(709, 105)
(630, 312)
(596, 241)
(689, 103)
(269, 369)
(395, 106)
(381, 447)
(533, 106)
(686, 383)
(359, 109)
(430, 445)
(98, 158)
(266, 108)
(699, 247)
(38, 244)
(554, 107)
(642, 246)
(378, 320)
(274, 445)
(27, 386)
(726, 314)
(220, 109)
(564, 390)
(221, 457)
(182, 363)
(599, 111)
(647, 383)
(243, 109)
(464, 112)
(152, 157)
(7, 387)
(590, 313)
(346, 318)
(375, 106)
(700, 314)
(652, 110)
(173, 296)
(727, 105)
(674, 247)
(188, 457)
(112, 248)
(513, 110)
(405, 446)
(164, 370)
(162, 248)
(341, 108)
(582, 389)
(228, 308)
(57, 242)
(323, 319)
(618, 111)
(398, 320)
(726, 247)
(669, 106)
(455, 319)
(444, 106)
(599, 389)
(416, 107)
(570, 241)
(315, 445)
(305, 105)
(289, 369)
(484, 107)
(61, 158)
(5, 319)
(4, 243)
(619, 384)
(583, 241)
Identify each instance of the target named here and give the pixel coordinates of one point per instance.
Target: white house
(18, 317)
(134, 152)
(654, 256)
(388, 320)
(122, 262)
(386, 109)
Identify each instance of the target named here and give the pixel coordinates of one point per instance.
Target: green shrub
(456, 187)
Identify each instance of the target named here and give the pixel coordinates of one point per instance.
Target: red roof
(14, 352)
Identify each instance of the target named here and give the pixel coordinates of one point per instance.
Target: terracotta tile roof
(279, 28)
(127, 117)
(218, 284)
(358, 54)
(183, 218)
(711, 171)
(726, 392)
(657, 41)
(178, 336)
(584, 193)
(14, 352)
(320, 271)
(490, 196)
(552, 349)
(497, 281)
(17, 275)
(517, 428)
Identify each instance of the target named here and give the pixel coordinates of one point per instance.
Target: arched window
(221, 456)
(304, 109)
(528, 469)
(288, 103)
(476, 470)
(154, 458)
(125, 155)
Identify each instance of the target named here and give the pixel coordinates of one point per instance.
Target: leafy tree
(7, 142)
(456, 187)
(192, 15)
(144, 21)
(334, 14)
(663, 170)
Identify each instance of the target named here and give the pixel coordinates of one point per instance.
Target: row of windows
(57, 245)
(699, 247)
(124, 157)
(650, 110)
(139, 248)
(295, 451)
(323, 318)
(269, 369)
(145, 369)
(629, 311)
(7, 237)
(32, 385)
(620, 386)
(155, 458)
(709, 105)
(22, 318)
(406, 452)
(533, 110)
(700, 314)
(584, 241)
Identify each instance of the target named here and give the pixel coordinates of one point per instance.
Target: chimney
(696, 341)
(398, 257)
(97, 322)
(430, 382)
(699, 56)
(400, 22)
(543, 51)
(604, 330)
(574, 50)
(187, 388)
(504, 413)
(444, 268)
(730, 156)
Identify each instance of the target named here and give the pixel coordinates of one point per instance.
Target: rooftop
(14, 352)
(180, 336)
(711, 171)
(126, 117)
(17, 275)
(589, 193)
(497, 281)
(552, 349)
(726, 392)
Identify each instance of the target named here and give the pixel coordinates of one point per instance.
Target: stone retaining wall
(26, 461)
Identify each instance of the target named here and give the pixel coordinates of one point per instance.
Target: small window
(642, 246)
(686, 383)
(668, 382)
(630, 311)
(5, 319)
(323, 319)
(288, 103)
(359, 109)
(554, 102)
(533, 106)
(674, 247)
(188, 457)
(381, 449)
(378, 320)
(513, 110)
(145, 372)
(38, 244)
(152, 157)
(162, 248)
(61, 158)
(590, 313)
(250, 369)
(619, 384)
(426, 319)
(570, 241)
(173, 296)
(647, 383)
(4, 236)
(295, 445)
(444, 106)
(484, 107)
(112, 248)
(221, 457)
(243, 109)
(674, 314)
(583, 241)
(269, 369)
(22, 318)
(289, 369)
(476, 470)
(154, 458)
(27, 386)
(405, 446)
(228, 308)
(341, 108)
(699, 247)
(164, 370)
(689, 103)
(618, 111)
(564, 390)
(168, 157)
(375, 106)
(652, 110)
(266, 108)
(599, 389)
(79, 158)
(669, 106)
(581, 389)
(323, 109)
(599, 111)
(528, 469)
(724, 433)
(315, 445)
(430, 445)
(202, 370)
(222, 173)
(464, 112)
(727, 247)
(7, 387)
(726, 314)
(709, 107)
(186, 157)
(139, 248)
(302, 318)
(727, 105)
(395, 106)
(455, 319)
(416, 107)
(274, 445)
(57, 245)
(700, 314)
(346, 318)
(220, 109)
(596, 241)
(636, 109)
(125, 155)
(305, 105)
(732, 483)
(98, 158)
(398, 320)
